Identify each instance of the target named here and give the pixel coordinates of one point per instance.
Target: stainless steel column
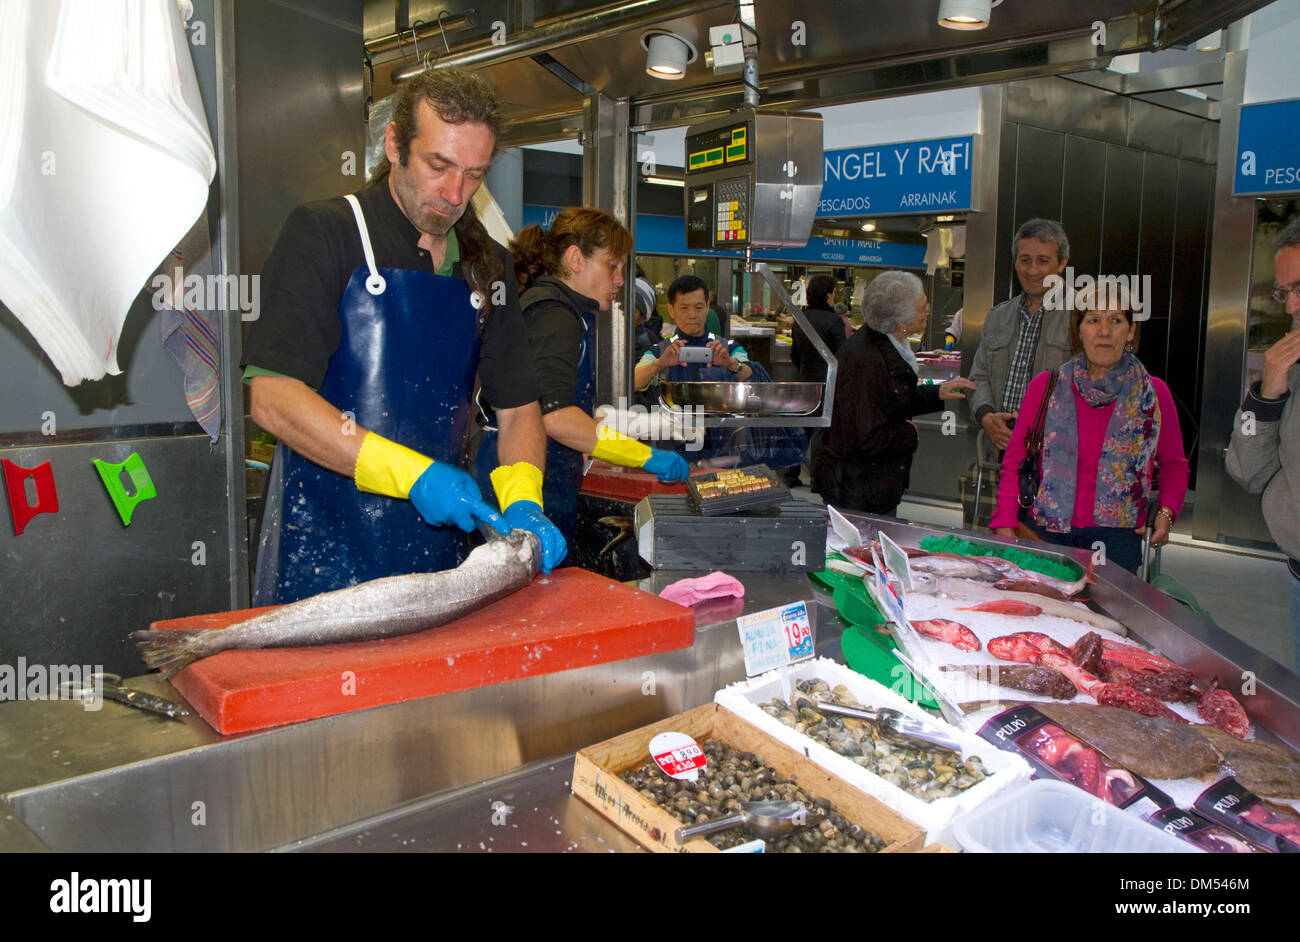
(1223, 508)
(607, 165)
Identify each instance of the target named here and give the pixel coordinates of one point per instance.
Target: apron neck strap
(375, 284)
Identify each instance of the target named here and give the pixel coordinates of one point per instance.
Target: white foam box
(1005, 769)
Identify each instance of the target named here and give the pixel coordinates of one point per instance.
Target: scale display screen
(718, 147)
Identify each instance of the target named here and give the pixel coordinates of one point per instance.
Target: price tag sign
(775, 638)
(678, 755)
(885, 595)
(896, 561)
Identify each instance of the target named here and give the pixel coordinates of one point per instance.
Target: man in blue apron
(380, 309)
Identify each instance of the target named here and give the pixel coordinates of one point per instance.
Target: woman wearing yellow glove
(566, 276)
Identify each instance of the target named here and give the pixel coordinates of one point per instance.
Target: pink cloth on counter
(1169, 457)
(715, 585)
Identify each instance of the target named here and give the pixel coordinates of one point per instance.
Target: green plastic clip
(111, 475)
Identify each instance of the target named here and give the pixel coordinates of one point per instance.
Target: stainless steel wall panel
(1153, 348)
(1083, 187)
(1004, 279)
(299, 110)
(1190, 272)
(1164, 131)
(1059, 104)
(1122, 208)
(1040, 163)
(1159, 203)
(77, 581)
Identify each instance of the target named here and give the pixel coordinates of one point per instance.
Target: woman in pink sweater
(1109, 424)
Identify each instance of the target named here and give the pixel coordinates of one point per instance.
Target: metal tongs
(894, 725)
(110, 687)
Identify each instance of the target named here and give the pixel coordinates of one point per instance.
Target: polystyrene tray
(1054, 817)
(1005, 769)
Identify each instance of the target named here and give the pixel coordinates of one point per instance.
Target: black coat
(862, 461)
(812, 369)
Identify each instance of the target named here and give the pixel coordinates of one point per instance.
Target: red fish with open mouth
(941, 629)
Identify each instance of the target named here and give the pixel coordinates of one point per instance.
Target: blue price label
(775, 638)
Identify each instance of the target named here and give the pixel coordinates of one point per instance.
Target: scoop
(894, 725)
(770, 820)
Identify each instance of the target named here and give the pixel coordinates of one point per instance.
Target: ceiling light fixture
(868, 227)
(965, 14)
(667, 54)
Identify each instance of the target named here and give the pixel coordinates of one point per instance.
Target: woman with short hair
(862, 461)
(1109, 425)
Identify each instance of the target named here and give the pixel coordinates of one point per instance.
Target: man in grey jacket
(1264, 455)
(1020, 338)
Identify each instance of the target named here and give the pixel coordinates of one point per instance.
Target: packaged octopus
(1057, 754)
(1202, 833)
(1272, 826)
(931, 778)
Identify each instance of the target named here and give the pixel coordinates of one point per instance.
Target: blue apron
(563, 477)
(404, 369)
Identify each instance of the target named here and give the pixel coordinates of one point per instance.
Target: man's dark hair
(686, 284)
(1289, 236)
(820, 288)
(458, 97)
(1046, 230)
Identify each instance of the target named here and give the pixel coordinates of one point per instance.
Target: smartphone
(694, 355)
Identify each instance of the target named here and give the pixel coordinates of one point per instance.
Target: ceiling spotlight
(868, 227)
(965, 14)
(667, 54)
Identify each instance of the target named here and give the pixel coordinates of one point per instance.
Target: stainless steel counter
(424, 775)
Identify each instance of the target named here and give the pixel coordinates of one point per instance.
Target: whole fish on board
(381, 608)
(963, 592)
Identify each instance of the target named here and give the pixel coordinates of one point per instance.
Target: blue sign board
(920, 177)
(1268, 149)
(666, 235)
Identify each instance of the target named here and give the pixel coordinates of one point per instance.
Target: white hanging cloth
(106, 162)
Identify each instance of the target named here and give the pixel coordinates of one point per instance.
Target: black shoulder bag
(1031, 466)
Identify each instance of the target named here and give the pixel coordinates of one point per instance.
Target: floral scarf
(1123, 471)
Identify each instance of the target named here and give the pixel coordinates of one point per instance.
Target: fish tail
(1090, 577)
(169, 651)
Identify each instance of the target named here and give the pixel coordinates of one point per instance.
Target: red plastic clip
(47, 501)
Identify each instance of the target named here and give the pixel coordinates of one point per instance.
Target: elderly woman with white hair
(862, 461)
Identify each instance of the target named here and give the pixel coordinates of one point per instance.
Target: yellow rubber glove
(518, 481)
(387, 468)
(617, 448)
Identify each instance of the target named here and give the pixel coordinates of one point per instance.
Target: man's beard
(423, 216)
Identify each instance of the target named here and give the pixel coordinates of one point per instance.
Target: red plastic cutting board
(571, 618)
(608, 480)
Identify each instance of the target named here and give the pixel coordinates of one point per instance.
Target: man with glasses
(1264, 455)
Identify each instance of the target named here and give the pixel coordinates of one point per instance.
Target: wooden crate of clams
(597, 768)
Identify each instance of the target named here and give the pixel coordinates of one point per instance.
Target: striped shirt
(1022, 361)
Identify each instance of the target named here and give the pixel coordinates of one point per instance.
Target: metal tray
(743, 398)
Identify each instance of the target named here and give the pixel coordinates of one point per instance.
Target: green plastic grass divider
(961, 547)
